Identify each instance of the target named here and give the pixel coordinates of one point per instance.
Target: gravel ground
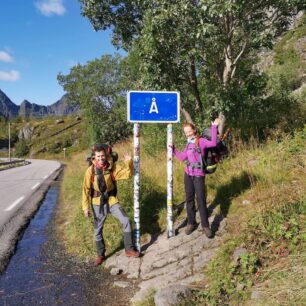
(41, 273)
(93, 285)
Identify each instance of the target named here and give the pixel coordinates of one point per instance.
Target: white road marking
(45, 176)
(14, 204)
(36, 185)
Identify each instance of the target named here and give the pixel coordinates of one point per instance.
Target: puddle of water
(25, 280)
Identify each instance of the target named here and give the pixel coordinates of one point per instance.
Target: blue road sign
(153, 106)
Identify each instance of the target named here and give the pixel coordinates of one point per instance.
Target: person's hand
(171, 146)
(216, 121)
(86, 213)
(127, 157)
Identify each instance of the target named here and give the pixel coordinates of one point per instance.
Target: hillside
(44, 138)
(286, 64)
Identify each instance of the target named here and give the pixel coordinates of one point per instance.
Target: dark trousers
(195, 186)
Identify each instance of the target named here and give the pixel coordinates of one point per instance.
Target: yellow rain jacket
(119, 173)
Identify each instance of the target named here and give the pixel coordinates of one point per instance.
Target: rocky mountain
(7, 107)
(63, 108)
(28, 109)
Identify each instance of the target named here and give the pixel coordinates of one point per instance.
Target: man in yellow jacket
(100, 192)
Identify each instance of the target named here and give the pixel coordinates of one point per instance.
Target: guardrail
(15, 161)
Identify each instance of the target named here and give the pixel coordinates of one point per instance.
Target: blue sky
(39, 39)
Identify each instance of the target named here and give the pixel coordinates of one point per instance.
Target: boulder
(26, 133)
(172, 295)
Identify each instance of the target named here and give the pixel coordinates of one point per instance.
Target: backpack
(90, 160)
(215, 154)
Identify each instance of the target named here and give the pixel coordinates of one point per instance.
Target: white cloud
(12, 75)
(5, 57)
(51, 7)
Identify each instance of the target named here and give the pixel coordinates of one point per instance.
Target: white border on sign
(150, 121)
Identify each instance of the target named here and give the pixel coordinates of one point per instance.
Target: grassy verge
(267, 218)
(77, 232)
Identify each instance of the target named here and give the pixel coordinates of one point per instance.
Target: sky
(38, 40)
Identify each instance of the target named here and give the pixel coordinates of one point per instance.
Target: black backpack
(215, 154)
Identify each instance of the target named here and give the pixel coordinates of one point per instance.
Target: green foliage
(99, 87)
(297, 143)
(282, 223)
(205, 51)
(22, 148)
(14, 137)
(230, 278)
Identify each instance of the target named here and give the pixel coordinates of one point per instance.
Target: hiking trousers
(195, 186)
(100, 214)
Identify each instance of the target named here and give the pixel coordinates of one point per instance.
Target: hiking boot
(99, 260)
(190, 228)
(132, 253)
(208, 232)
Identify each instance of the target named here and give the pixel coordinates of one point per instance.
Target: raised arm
(126, 171)
(213, 142)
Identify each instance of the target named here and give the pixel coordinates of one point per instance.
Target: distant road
(18, 184)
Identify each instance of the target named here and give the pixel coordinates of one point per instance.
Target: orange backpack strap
(92, 176)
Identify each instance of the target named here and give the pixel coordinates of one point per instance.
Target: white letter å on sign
(153, 107)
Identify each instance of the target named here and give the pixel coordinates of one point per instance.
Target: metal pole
(136, 186)
(9, 140)
(169, 181)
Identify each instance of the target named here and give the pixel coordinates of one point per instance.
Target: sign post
(170, 181)
(136, 186)
(153, 107)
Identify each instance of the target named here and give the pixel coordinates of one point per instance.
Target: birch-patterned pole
(136, 187)
(170, 181)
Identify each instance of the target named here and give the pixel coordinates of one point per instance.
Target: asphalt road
(18, 184)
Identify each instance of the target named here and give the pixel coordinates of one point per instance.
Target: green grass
(272, 227)
(270, 177)
(148, 300)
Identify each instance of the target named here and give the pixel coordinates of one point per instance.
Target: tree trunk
(227, 66)
(194, 85)
(186, 115)
(222, 123)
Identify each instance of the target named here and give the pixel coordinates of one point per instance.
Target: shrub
(21, 148)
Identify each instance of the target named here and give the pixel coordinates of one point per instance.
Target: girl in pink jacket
(194, 178)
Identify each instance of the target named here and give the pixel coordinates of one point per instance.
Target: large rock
(170, 262)
(26, 133)
(172, 295)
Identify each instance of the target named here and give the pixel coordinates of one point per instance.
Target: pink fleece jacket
(192, 156)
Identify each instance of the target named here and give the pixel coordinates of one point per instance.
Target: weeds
(271, 229)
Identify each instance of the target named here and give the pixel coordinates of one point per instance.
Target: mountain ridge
(27, 109)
